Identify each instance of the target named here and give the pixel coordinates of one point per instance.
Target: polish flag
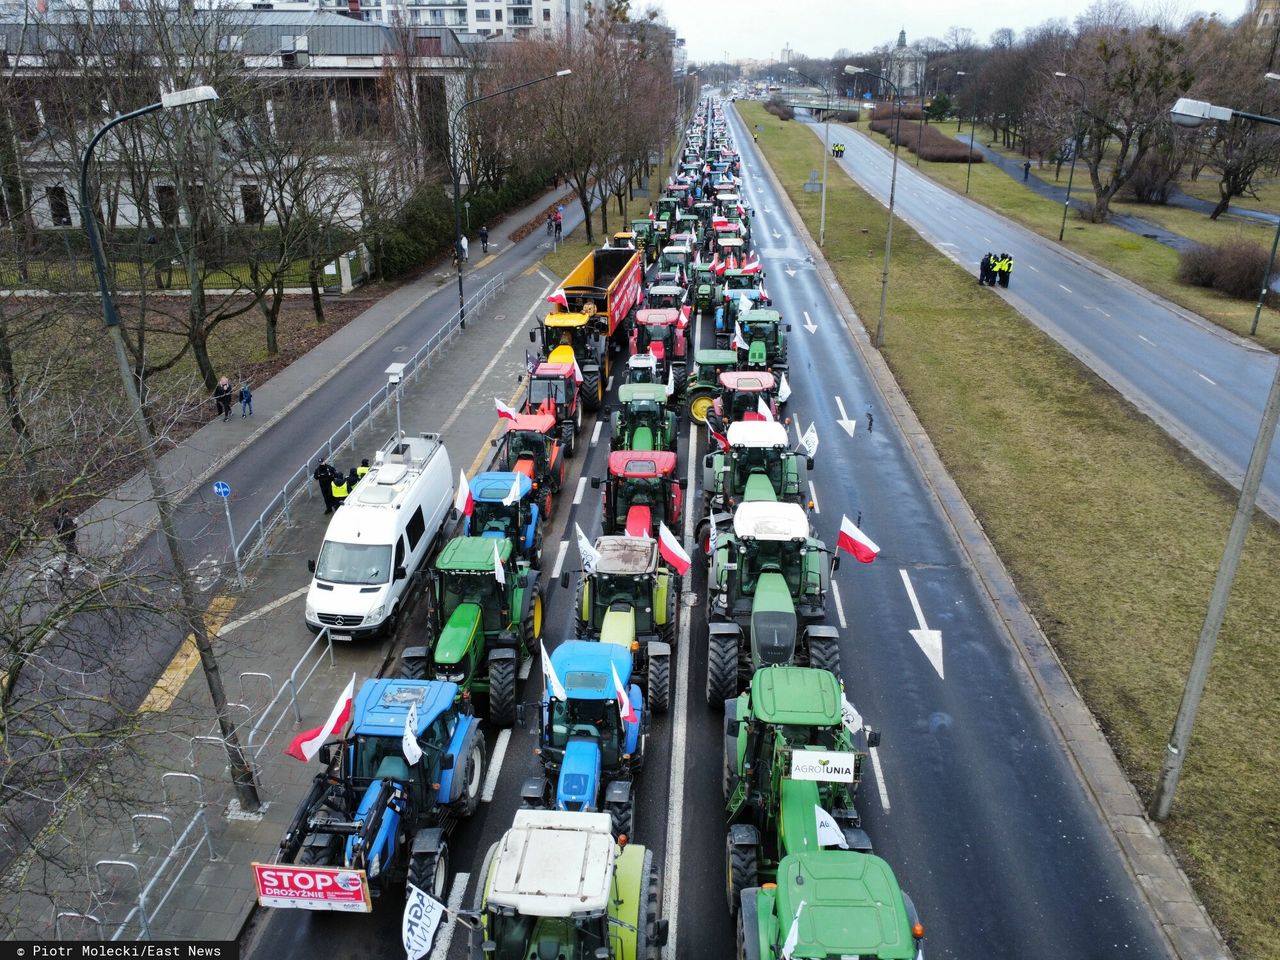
(464, 502)
(577, 374)
(499, 573)
(685, 311)
(751, 264)
(306, 744)
(559, 298)
(852, 540)
(671, 550)
(739, 341)
(784, 391)
(766, 414)
(625, 710)
(721, 439)
(555, 689)
(513, 495)
(504, 412)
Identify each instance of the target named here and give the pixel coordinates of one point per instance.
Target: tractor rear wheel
(533, 620)
(314, 855)
(824, 654)
(700, 404)
(414, 668)
(647, 916)
(429, 872)
(722, 670)
(591, 390)
(659, 683)
(741, 872)
(502, 692)
(472, 777)
(568, 438)
(621, 816)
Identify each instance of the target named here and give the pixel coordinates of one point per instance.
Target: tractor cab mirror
(325, 753)
(529, 716)
(683, 483)
(835, 563)
(564, 579)
(533, 336)
(786, 327)
(493, 442)
(708, 460)
(401, 573)
(873, 738)
(595, 483)
(660, 931)
(519, 378)
(809, 462)
(311, 566)
(446, 762)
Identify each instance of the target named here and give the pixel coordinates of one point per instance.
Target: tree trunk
(196, 333)
(317, 302)
(1223, 203)
(272, 313)
(584, 200)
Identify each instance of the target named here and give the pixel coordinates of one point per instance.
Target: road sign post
(222, 490)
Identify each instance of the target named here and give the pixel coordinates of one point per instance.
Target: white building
(489, 18)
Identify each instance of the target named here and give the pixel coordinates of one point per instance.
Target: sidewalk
(150, 810)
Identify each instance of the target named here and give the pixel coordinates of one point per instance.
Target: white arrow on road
(844, 420)
(929, 641)
(809, 324)
(788, 271)
(777, 235)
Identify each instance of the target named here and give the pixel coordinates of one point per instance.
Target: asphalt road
(1204, 387)
(973, 800)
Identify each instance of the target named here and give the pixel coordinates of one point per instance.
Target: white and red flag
(463, 501)
(852, 540)
(751, 264)
(625, 710)
(308, 743)
(559, 298)
(720, 439)
(555, 689)
(739, 341)
(577, 374)
(763, 410)
(504, 412)
(499, 573)
(671, 550)
(513, 495)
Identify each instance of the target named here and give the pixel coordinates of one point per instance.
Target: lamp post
(1193, 113)
(893, 183)
(973, 130)
(1075, 150)
(826, 154)
(457, 176)
(241, 771)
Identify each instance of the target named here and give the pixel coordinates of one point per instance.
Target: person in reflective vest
(362, 469)
(340, 490)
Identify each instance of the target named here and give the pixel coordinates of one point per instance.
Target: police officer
(340, 486)
(362, 469)
(984, 269)
(1006, 268)
(324, 475)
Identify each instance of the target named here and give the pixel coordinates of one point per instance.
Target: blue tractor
(590, 753)
(370, 811)
(518, 520)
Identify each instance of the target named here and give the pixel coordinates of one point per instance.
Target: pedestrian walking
(324, 475)
(1026, 170)
(484, 239)
(222, 398)
(246, 401)
(462, 247)
(65, 527)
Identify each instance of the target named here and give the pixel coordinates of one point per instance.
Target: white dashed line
(1145, 340)
(813, 497)
(495, 762)
(1030, 267)
(555, 571)
(582, 488)
(1205, 379)
(835, 592)
(883, 790)
(608, 385)
(595, 435)
(445, 937)
(1068, 289)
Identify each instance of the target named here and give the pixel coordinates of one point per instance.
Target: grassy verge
(1110, 530)
(1145, 262)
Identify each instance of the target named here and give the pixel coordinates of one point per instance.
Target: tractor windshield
(757, 460)
(631, 590)
(494, 517)
(741, 403)
(517, 935)
(646, 492)
(542, 390)
(524, 443)
(479, 588)
(643, 411)
(770, 556)
(586, 718)
(742, 281)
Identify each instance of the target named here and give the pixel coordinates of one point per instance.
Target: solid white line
(987, 239)
(595, 436)
(883, 790)
(248, 617)
(608, 384)
(1145, 340)
(813, 495)
(915, 603)
(582, 488)
(1068, 289)
(495, 762)
(1205, 379)
(1104, 313)
(555, 571)
(444, 937)
(1030, 267)
(835, 592)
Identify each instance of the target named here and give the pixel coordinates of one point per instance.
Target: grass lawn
(1206, 188)
(1111, 531)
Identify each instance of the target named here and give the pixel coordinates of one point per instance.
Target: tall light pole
(455, 168)
(241, 771)
(1193, 113)
(1075, 150)
(826, 154)
(893, 183)
(973, 129)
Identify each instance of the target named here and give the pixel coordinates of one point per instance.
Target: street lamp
(241, 771)
(457, 176)
(826, 154)
(893, 183)
(1075, 150)
(973, 130)
(1193, 113)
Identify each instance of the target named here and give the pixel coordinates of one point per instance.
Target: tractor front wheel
(741, 872)
(502, 692)
(568, 438)
(621, 817)
(722, 670)
(591, 390)
(429, 872)
(533, 620)
(659, 683)
(824, 654)
(701, 404)
(472, 777)
(647, 946)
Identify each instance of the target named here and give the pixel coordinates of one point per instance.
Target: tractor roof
(676, 248)
(658, 316)
(474, 554)
(494, 486)
(624, 235)
(382, 705)
(533, 422)
(757, 434)
(665, 290)
(747, 381)
(641, 464)
(553, 863)
(853, 905)
(729, 241)
(801, 696)
(761, 314)
(559, 320)
(656, 392)
(762, 520)
(626, 555)
(583, 668)
(715, 358)
(553, 371)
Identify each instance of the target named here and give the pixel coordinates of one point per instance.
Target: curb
(1178, 913)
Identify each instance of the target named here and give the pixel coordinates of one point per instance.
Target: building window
(497, 15)
(59, 211)
(484, 32)
(251, 198)
(482, 15)
(428, 46)
(546, 14)
(167, 201)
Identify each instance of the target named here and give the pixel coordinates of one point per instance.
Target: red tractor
(663, 334)
(531, 446)
(553, 391)
(744, 394)
(641, 491)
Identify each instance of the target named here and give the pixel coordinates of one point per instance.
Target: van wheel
(392, 623)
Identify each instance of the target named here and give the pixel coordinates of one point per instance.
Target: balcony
(517, 21)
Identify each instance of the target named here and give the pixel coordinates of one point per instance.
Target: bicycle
(551, 225)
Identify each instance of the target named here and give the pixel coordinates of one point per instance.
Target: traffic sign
(222, 488)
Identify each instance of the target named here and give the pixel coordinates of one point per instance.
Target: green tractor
(642, 420)
(706, 288)
(704, 382)
(631, 599)
(557, 885)
(767, 585)
(646, 234)
(766, 341)
(759, 465)
(482, 628)
(792, 746)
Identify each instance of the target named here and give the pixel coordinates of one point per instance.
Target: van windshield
(362, 563)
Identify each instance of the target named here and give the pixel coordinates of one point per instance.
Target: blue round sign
(222, 489)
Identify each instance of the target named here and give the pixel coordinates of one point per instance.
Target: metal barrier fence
(255, 542)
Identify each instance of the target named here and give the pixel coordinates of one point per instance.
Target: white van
(379, 537)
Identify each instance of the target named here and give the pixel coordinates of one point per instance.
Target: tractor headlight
(453, 676)
(375, 615)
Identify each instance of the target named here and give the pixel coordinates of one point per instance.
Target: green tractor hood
(458, 635)
(757, 353)
(642, 438)
(759, 487)
(773, 621)
(797, 825)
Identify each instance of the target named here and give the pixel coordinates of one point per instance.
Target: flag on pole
(513, 495)
(625, 710)
(671, 550)
(530, 363)
(307, 744)
(784, 390)
(739, 341)
(422, 916)
(810, 440)
(751, 264)
(504, 412)
(463, 502)
(555, 689)
(829, 832)
(559, 298)
(671, 380)
(409, 742)
(590, 555)
(763, 410)
(793, 935)
(852, 540)
(720, 439)
(499, 573)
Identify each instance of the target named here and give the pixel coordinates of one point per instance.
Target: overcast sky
(759, 29)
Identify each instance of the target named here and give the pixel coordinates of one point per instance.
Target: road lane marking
(1030, 267)
(1205, 379)
(835, 592)
(582, 488)
(495, 762)
(844, 421)
(262, 611)
(1145, 340)
(813, 498)
(608, 384)
(880, 787)
(1068, 289)
(1104, 313)
(184, 662)
(595, 434)
(444, 938)
(555, 571)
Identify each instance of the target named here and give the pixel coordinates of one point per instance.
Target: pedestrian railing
(256, 541)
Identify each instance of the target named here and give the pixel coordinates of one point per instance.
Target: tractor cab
(704, 385)
(664, 296)
(643, 369)
(640, 492)
(737, 282)
(706, 287)
(645, 233)
(690, 225)
(642, 421)
(673, 264)
(704, 210)
(577, 336)
(531, 446)
(766, 340)
(554, 393)
(661, 332)
(759, 465)
(623, 240)
(505, 510)
(745, 395)
(730, 247)
(668, 209)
